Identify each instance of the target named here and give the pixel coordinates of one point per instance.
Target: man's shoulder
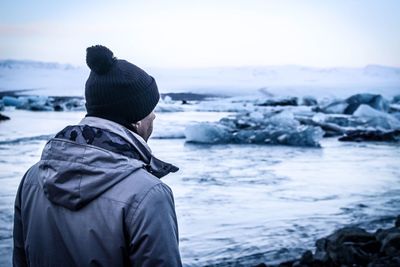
(30, 176)
(134, 188)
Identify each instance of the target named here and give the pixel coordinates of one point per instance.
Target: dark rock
(287, 264)
(372, 247)
(371, 135)
(307, 258)
(375, 101)
(397, 223)
(385, 262)
(321, 254)
(353, 246)
(3, 117)
(298, 264)
(391, 245)
(349, 234)
(390, 239)
(345, 246)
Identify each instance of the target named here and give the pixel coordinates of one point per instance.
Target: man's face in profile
(144, 128)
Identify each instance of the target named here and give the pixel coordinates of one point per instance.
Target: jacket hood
(84, 161)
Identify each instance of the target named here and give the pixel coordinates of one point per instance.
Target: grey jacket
(90, 201)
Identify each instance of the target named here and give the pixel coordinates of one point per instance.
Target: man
(95, 197)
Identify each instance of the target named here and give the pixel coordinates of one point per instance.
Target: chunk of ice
(208, 133)
(281, 129)
(377, 119)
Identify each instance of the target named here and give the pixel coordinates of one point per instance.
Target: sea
(237, 204)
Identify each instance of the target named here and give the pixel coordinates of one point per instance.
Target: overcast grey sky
(205, 33)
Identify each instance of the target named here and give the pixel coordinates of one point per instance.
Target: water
(235, 203)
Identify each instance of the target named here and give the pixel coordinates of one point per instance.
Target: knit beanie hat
(116, 89)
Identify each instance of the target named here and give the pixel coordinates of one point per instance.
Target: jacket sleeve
(154, 230)
(19, 257)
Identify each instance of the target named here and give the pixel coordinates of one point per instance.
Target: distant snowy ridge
(64, 79)
(21, 64)
(42, 78)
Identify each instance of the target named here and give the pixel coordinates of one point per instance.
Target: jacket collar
(153, 165)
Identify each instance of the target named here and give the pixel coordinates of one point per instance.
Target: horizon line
(212, 67)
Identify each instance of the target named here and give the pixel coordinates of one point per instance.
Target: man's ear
(136, 125)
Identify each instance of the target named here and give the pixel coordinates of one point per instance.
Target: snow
(56, 79)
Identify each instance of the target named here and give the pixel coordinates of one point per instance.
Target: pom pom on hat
(99, 59)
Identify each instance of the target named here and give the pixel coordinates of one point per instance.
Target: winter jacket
(95, 199)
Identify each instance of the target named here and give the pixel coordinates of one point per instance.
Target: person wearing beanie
(95, 197)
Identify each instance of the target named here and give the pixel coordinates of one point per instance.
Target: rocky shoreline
(352, 246)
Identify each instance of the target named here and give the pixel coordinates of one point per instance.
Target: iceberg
(394, 108)
(309, 101)
(287, 101)
(162, 107)
(335, 107)
(396, 99)
(45, 103)
(10, 101)
(36, 103)
(256, 128)
(377, 119)
(207, 133)
(69, 103)
(352, 103)
(375, 101)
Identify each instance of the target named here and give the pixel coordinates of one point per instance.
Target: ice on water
(256, 128)
(376, 118)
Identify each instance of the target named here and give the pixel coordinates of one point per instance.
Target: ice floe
(44, 103)
(256, 128)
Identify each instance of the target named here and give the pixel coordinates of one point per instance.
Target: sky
(207, 33)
